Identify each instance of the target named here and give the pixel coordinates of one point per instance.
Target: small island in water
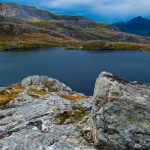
(43, 113)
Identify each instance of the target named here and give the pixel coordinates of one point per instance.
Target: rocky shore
(41, 113)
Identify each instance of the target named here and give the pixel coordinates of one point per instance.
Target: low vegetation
(10, 93)
(75, 115)
(26, 33)
(74, 97)
(106, 45)
(38, 92)
(27, 41)
(50, 86)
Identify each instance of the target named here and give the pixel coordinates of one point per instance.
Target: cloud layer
(108, 10)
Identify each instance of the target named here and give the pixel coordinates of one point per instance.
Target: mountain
(138, 25)
(21, 11)
(27, 27)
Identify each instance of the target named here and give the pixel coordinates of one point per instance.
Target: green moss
(50, 86)
(127, 105)
(73, 116)
(145, 124)
(137, 118)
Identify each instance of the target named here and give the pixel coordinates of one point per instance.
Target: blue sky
(100, 10)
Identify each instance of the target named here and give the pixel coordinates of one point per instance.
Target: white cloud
(124, 9)
(66, 3)
(113, 9)
(108, 9)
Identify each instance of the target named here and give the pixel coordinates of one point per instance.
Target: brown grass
(15, 86)
(75, 98)
(10, 93)
(6, 97)
(39, 92)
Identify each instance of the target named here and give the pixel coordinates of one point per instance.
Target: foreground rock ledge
(40, 113)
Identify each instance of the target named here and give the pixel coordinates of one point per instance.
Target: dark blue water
(78, 69)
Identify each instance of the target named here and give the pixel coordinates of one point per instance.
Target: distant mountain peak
(138, 25)
(138, 19)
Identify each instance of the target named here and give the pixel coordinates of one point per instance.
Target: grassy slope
(34, 40)
(30, 33)
(106, 45)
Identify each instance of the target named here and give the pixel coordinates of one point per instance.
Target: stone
(121, 113)
(116, 117)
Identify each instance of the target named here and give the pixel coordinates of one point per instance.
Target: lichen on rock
(46, 114)
(120, 108)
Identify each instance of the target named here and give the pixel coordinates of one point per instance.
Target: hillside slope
(21, 11)
(22, 28)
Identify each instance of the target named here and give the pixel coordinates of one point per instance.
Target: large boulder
(43, 116)
(121, 113)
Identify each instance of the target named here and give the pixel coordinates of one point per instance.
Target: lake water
(77, 69)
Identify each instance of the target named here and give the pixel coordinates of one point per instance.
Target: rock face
(121, 113)
(46, 114)
(43, 116)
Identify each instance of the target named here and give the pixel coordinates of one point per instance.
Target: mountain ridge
(137, 25)
(22, 11)
(30, 31)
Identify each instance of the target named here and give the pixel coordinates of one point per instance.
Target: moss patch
(50, 86)
(75, 115)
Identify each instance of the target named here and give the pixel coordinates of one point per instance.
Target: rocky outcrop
(121, 113)
(46, 114)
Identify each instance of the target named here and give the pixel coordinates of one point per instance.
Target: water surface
(78, 69)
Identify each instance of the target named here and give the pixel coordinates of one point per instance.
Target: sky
(101, 10)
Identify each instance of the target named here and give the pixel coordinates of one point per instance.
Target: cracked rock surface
(41, 113)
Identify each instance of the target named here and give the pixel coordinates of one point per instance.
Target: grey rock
(34, 80)
(29, 122)
(2, 88)
(116, 117)
(121, 113)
